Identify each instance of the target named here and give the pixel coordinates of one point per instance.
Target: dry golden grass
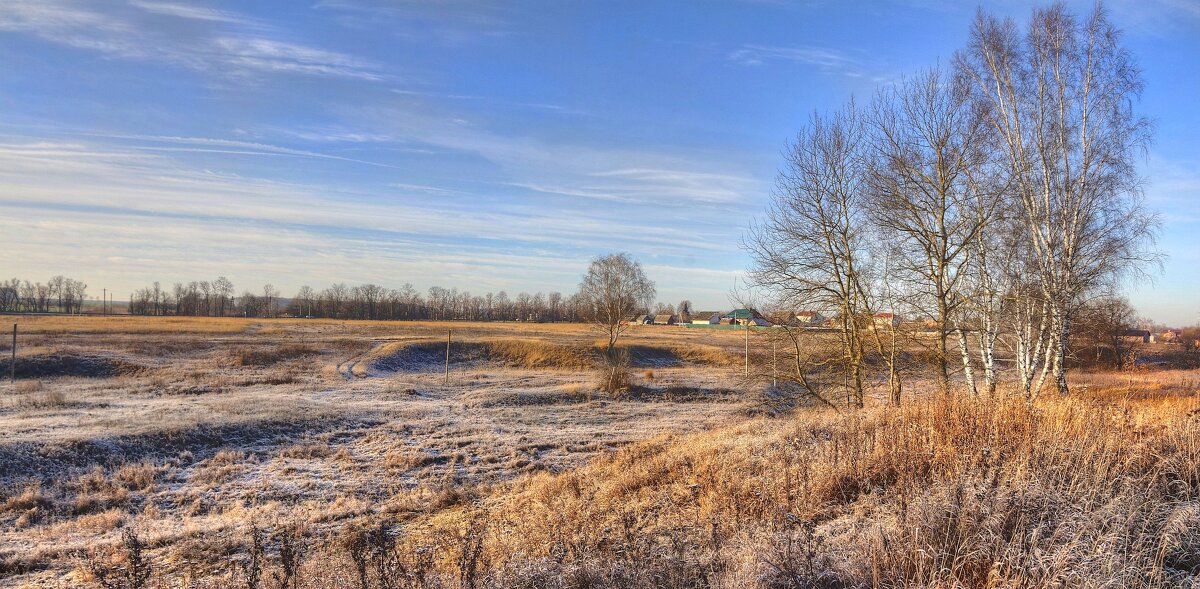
(79, 324)
(307, 451)
(134, 324)
(406, 459)
(937, 494)
(32, 396)
(483, 483)
(516, 353)
(538, 354)
(527, 353)
(706, 355)
(1093, 490)
(271, 355)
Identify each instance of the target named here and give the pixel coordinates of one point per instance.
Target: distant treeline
(59, 294)
(340, 301)
(217, 298)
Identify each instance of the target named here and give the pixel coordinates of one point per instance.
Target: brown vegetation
(988, 493)
(487, 481)
(273, 355)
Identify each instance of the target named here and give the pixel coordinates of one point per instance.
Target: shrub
(614, 376)
(124, 568)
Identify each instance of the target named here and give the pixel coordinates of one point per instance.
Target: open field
(517, 472)
(190, 428)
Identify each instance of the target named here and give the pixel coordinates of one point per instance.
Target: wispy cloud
(207, 144)
(266, 55)
(132, 181)
(448, 22)
(822, 57)
(192, 12)
(235, 47)
(555, 108)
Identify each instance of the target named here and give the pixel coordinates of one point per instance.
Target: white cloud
(73, 205)
(191, 12)
(822, 57)
(235, 48)
(276, 56)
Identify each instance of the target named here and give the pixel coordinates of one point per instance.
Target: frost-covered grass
(519, 473)
(204, 431)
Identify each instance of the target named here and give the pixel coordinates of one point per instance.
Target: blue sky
(480, 145)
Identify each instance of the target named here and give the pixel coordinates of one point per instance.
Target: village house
(745, 317)
(1136, 336)
(808, 318)
(888, 320)
(666, 319)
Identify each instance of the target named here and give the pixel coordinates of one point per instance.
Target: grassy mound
(268, 356)
(52, 365)
(417, 356)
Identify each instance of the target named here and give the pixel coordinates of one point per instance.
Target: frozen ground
(187, 433)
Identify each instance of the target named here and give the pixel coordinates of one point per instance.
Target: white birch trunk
(968, 371)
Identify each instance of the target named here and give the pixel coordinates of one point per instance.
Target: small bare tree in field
(614, 288)
(811, 250)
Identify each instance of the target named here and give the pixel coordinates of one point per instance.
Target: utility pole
(448, 357)
(104, 302)
(12, 365)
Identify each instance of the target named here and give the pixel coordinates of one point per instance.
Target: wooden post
(774, 363)
(448, 357)
(747, 372)
(12, 367)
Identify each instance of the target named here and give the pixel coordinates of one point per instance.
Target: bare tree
(224, 292)
(270, 300)
(1105, 323)
(304, 298)
(335, 299)
(58, 289)
(927, 144)
(684, 309)
(613, 288)
(811, 250)
(10, 295)
(1060, 103)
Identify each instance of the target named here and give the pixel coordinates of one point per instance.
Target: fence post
(774, 363)
(12, 366)
(448, 331)
(747, 369)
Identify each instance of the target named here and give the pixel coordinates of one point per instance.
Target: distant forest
(217, 298)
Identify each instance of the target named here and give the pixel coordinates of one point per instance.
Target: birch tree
(1060, 101)
(613, 288)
